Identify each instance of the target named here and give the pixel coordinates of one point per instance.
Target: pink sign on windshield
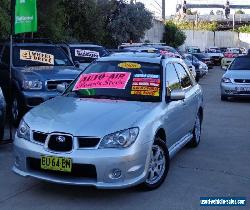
(112, 80)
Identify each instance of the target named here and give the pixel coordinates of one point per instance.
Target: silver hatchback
(236, 81)
(117, 125)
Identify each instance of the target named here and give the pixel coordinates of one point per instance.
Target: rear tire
(158, 166)
(196, 132)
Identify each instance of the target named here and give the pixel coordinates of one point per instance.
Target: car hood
(44, 73)
(83, 66)
(238, 74)
(86, 117)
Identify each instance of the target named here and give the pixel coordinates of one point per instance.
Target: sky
(155, 5)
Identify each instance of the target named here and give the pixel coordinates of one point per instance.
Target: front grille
(87, 142)
(39, 137)
(52, 84)
(78, 170)
(242, 81)
(55, 144)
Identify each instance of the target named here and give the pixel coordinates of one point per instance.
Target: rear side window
(183, 75)
(172, 79)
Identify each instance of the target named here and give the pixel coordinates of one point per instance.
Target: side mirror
(61, 88)
(77, 64)
(177, 95)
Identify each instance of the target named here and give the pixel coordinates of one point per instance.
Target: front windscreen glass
(87, 54)
(119, 80)
(39, 56)
(240, 63)
(214, 50)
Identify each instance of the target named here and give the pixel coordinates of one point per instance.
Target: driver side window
(172, 79)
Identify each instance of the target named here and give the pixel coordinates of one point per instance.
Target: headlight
(120, 139)
(226, 80)
(23, 131)
(32, 85)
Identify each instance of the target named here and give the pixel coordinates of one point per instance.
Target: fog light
(115, 174)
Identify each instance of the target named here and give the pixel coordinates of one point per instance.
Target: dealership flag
(25, 16)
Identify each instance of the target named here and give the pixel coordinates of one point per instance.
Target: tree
(173, 36)
(4, 19)
(130, 23)
(240, 12)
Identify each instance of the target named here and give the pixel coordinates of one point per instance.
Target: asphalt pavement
(220, 166)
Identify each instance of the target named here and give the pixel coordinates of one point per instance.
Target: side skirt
(179, 144)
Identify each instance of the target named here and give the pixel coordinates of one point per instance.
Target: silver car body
(239, 85)
(98, 118)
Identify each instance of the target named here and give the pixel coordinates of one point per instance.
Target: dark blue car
(37, 70)
(2, 114)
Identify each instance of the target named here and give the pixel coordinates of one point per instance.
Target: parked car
(215, 54)
(236, 81)
(167, 50)
(2, 114)
(204, 58)
(193, 49)
(191, 69)
(200, 67)
(121, 121)
(229, 56)
(82, 54)
(37, 70)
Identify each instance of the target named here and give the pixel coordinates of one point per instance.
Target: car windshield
(39, 56)
(87, 54)
(130, 81)
(194, 50)
(214, 50)
(240, 63)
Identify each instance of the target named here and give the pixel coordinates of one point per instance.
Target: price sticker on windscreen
(112, 80)
(86, 53)
(28, 55)
(129, 65)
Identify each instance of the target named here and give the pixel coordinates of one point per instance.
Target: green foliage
(173, 35)
(244, 29)
(4, 18)
(239, 12)
(201, 25)
(108, 22)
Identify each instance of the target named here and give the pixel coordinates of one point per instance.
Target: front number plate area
(56, 163)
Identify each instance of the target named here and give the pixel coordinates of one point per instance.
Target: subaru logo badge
(60, 139)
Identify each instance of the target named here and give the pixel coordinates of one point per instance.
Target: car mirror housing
(77, 64)
(177, 95)
(61, 88)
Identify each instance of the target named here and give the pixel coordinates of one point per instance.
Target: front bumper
(234, 90)
(132, 163)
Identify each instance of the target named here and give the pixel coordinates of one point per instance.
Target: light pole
(164, 10)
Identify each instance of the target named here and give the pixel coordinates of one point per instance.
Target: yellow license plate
(56, 163)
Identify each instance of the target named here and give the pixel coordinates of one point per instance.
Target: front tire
(223, 98)
(16, 111)
(158, 166)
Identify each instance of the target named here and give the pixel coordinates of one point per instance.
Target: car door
(173, 120)
(191, 100)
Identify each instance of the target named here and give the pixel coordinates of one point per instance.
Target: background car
(204, 58)
(235, 82)
(37, 70)
(82, 54)
(193, 49)
(215, 54)
(200, 67)
(229, 55)
(121, 122)
(2, 114)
